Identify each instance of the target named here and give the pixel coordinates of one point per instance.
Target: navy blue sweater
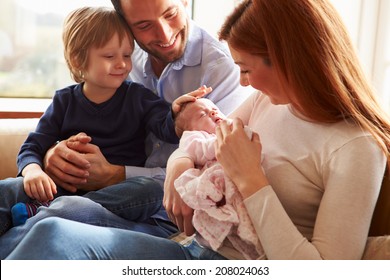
(118, 126)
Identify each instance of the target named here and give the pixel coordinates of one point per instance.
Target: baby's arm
(37, 184)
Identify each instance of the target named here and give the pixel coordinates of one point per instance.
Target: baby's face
(203, 115)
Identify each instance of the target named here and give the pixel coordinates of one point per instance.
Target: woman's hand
(240, 157)
(189, 97)
(179, 212)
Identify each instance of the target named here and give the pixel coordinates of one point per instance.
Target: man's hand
(179, 212)
(65, 166)
(76, 164)
(101, 172)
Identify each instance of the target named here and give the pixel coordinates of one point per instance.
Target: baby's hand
(37, 184)
(189, 97)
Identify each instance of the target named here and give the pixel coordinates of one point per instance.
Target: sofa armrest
(13, 132)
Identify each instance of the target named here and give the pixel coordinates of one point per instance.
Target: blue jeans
(56, 238)
(135, 199)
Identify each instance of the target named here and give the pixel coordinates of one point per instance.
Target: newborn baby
(220, 217)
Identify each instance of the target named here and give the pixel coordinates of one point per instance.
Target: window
(31, 58)
(32, 63)
(368, 22)
(381, 57)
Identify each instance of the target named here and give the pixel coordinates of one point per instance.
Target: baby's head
(201, 114)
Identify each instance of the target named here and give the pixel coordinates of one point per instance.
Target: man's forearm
(112, 175)
(116, 175)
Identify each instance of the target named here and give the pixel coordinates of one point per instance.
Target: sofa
(13, 132)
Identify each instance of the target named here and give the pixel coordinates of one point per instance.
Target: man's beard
(166, 58)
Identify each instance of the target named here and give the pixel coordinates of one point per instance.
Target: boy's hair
(90, 27)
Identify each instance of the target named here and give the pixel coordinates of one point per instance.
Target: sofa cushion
(13, 132)
(380, 224)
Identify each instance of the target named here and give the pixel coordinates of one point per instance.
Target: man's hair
(117, 6)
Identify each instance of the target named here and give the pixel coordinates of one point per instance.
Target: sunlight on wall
(211, 14)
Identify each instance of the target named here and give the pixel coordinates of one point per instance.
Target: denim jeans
(199, 252)
(56, 238)
(135, 199)
(11, 192)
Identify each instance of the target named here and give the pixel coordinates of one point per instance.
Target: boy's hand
(189, 97)
(37, 184)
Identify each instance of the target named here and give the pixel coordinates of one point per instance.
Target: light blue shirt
(206, 61)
